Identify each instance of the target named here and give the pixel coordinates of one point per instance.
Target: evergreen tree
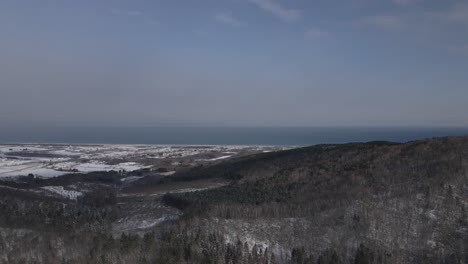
(362, 255)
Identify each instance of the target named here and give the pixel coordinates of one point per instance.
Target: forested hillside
(406, 201)
(375, 202)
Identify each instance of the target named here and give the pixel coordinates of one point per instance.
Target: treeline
(237, 168)
(23, 209)
(176, 245)
(323, 177)
(28, 182)
(262, 192)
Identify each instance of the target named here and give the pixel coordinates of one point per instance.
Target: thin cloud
(134, 14)
(385, 22)
(229, 20)
(315, 33)
(288, 15)
(458, 13)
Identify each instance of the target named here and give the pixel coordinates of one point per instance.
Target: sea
(278, 136)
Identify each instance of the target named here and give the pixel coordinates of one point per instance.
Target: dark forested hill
(356, 170)
(376, 202)
(406, 201)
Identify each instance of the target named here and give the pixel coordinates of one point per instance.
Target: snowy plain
(52, 160)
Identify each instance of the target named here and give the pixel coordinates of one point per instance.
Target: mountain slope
(406, 201)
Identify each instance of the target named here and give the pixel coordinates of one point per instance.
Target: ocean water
(292, 136)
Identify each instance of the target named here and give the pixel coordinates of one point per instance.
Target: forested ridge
(376, 202)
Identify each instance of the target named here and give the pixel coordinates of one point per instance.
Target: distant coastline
(278, 136)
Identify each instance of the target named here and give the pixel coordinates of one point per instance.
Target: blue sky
(234, 62)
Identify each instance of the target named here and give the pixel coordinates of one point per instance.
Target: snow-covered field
(14, 167)
(58, 167)
(52, 160)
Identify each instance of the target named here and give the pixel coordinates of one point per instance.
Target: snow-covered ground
(73, 195)
(51, 160)
(168, 173)
(220, 158)
(136, 223)
(100, 166)
(143, 215)
(54, 168)
(13, 167)
(131, 179)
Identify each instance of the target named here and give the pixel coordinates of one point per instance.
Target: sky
(234, 63)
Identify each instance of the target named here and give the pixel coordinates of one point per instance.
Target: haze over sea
(295, 136)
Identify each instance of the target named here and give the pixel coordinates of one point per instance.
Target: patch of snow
(100, 166)
(144, 224)
(251, 241)
(72, 195)
(13, 168)
(431, 214)
(220, 158)
(169, 173)
(65, 153)
(130, 166)
(431, 243)
(66, 165)
(57, 167)
(186, 190)
(131, 178)
(89, 167)
(135, 222)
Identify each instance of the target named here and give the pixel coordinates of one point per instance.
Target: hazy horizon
(234, 63)
(279, 136)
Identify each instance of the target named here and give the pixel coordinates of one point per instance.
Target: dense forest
(376, 202)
